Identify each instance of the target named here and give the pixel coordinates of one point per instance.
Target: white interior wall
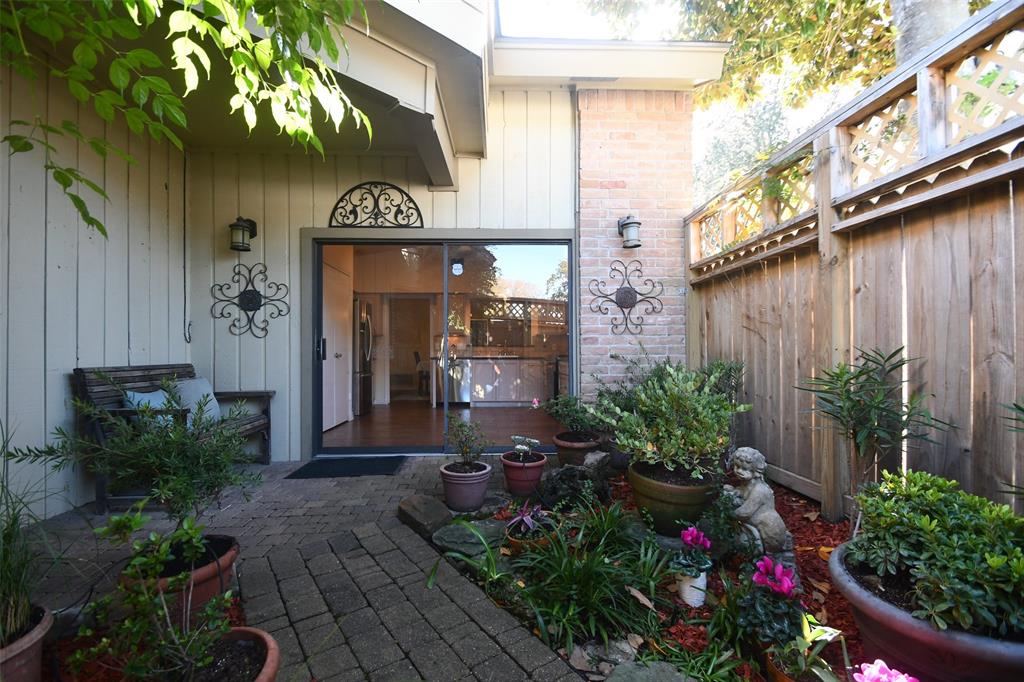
(68, 296)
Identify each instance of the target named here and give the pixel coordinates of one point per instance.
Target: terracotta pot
(914, 647)
(212, 579)
(522, 478)
(772, 671)
(571, 449)
(465, 492)
(22, 659)
(518, 546)
(273, 660)
(668, 503)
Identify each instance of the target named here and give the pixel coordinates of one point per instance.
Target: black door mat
(347, 467)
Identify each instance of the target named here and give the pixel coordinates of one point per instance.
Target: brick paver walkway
(331, 572)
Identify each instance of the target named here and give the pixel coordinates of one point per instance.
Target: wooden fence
(897, 221)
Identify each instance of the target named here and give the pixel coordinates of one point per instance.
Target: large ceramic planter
(914, 647)
(573, 447)
(273, 653)
(22, 659)
(465, 492)
(668, 503)
(522, 478)
(212, 579)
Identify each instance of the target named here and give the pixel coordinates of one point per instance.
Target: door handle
(337, 355)
(323, 348)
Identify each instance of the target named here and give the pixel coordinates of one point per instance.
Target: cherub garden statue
(755, 506)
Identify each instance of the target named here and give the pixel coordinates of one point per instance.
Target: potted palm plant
(23, 625)
(677, 434)
(138, 632)
(465, 480)
(581, 428)
(523, 467)
(182, 465)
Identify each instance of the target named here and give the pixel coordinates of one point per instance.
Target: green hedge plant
(963, 555)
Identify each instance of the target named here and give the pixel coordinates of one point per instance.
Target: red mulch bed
(94, 671)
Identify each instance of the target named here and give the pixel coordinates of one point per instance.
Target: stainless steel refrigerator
(362, 371)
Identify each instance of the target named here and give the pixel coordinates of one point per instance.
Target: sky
(572, 19)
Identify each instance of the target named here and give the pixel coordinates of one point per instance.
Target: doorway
(481, 330)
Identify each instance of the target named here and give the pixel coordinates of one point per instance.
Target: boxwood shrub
(961, 555)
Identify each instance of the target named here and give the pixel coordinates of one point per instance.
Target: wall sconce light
(629, 230)
(242, 230)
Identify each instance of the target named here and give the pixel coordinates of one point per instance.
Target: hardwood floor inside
(410, 423)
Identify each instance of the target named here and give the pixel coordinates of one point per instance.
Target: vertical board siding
(68, 296)
(527, 181)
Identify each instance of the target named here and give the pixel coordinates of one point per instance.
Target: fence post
(832, 331)
(931, 111)
(694, 337)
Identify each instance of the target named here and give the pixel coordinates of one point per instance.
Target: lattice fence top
(984, 88)
(793, 188)
(711, 241)
(747, 211)
(885, 141)
(520, 309)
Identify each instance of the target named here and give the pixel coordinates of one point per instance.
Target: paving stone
(424, 514)
(447, 617)
(324, 637)
(273, 624)
(314, 549)
(297, 586)
(499, 668)
(337, 661)
(298, 672)
(343, 601)
(550, 672)
(475, 647)
(400, 671)
(358, 622)
(369, 581)
(531, 653)
(314, 622)
(288, 642)
(374, 651)
(413, 634)
(323, 563)
(377, 544)
(437, 661)
(492, 619)
(305, 606)
(396, 564)
(509, 637)
(343, 542)
(263, 609)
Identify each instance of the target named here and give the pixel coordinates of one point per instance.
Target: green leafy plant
(716, 663)
(678, 421)
(801, 657)
(962, 555)
(865, 400)
(723, 529)
(143, 630)
(183, 464)
(283, 69)
(467, 439)
(571, 412)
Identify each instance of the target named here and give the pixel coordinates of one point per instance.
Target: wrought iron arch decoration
(633, 303)
(376, 204)
(241, 293)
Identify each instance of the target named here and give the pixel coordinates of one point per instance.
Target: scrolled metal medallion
(633, 303)
(376, 204)
(242, 293)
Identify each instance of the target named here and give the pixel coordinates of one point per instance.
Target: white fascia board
(464, 22)
(606, 63)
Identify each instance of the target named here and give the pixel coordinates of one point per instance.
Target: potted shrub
(677, 434)
(528, 528)
(691, 565)
(523, 467)
(580, 424)
(465, 480)
(935, 579)
(23, 625)
(799, 660)
(141, 634)
(182, 465)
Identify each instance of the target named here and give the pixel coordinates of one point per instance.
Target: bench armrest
(244, 395)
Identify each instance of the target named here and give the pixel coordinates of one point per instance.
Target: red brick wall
(635, 158)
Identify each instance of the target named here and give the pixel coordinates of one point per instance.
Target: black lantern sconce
(242, 230)
(629, 230)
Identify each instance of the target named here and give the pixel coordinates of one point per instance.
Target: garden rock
(655, 672)
(634, 527)
(455, 537)
(599, 462)
(567, 484)
(494, 502)
(424, 514)
(617, 652)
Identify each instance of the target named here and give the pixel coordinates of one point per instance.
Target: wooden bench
(93, 385)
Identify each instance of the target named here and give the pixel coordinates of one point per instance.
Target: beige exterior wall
(635, 158)
(527, 182)
(68, 297)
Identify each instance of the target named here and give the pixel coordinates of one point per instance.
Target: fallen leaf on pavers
(640, 597)
(580, 660)
(505, 551)
(805, 549)
(820, 585)
(825, 552)
(812, 516)
(561, 652)
(635, 640)
(822, 616)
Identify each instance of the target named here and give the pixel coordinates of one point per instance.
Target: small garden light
(629, 230)
(242, 230)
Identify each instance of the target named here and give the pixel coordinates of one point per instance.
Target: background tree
(96, 48)
(827, 41)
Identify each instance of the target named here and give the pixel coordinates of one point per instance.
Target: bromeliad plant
(962, 554)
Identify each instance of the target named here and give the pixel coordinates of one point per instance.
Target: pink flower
(536, 403)
(775, 577)
(695, 538)
(880, 672)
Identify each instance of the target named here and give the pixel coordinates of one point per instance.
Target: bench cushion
(192, 391)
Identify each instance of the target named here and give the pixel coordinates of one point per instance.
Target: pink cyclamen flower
(775, 577)
(536, 403)
(695, 538)
(880, 672)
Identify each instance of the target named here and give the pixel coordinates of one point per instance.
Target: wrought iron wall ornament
(633, 303)
(376, 204)
(241, 293)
